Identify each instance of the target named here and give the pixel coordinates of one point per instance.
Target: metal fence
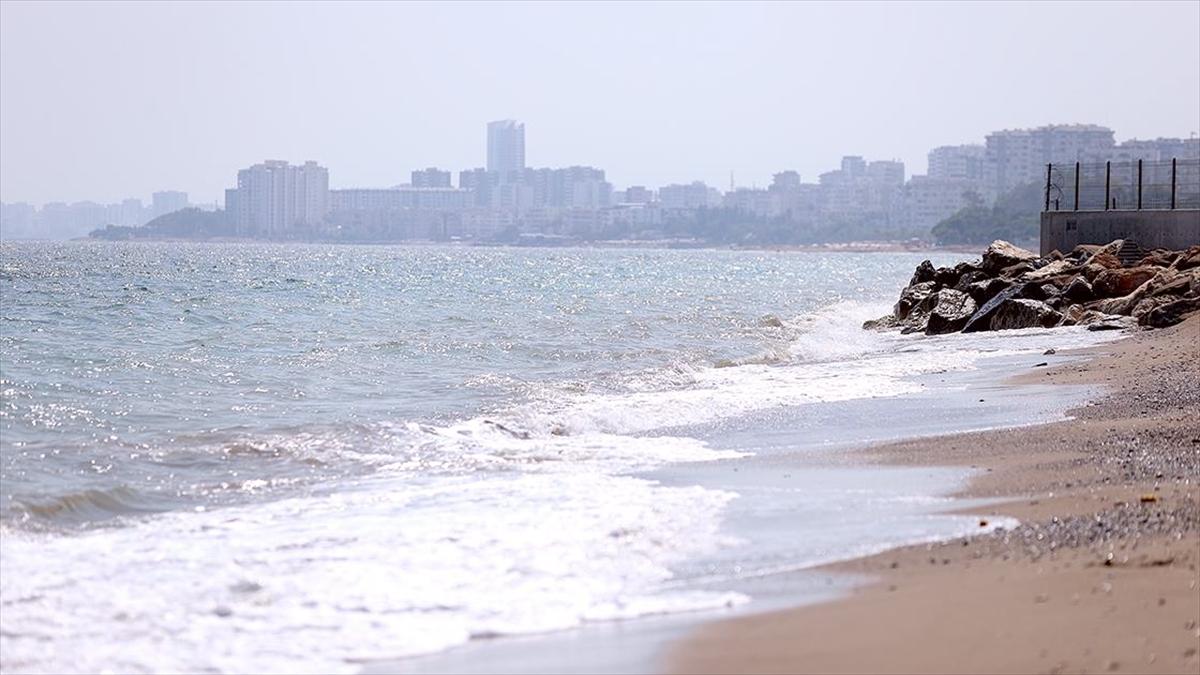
(1123, 186)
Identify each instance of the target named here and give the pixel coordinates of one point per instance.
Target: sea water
(305, 458)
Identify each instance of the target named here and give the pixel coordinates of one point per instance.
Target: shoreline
(1101, 576)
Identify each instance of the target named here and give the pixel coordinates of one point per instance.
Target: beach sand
(1103, 575)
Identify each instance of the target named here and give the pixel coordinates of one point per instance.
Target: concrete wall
(1064, 230)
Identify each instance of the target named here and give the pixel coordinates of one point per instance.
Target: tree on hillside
(1014, 217)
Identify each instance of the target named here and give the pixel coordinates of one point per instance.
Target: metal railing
(1123, 186)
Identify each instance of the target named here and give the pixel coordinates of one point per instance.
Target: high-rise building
(637, 194)
(274, 199)
(167, 201)
(431, 178)
(505, 148)
(958, 162)
(1019, 156)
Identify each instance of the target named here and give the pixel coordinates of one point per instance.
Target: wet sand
(1102, 576)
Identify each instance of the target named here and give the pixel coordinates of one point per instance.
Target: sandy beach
(1101, 576)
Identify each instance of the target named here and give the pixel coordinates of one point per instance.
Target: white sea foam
(522, 521)
(381, 570)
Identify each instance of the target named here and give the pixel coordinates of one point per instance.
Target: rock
(1107, 253)
(981, 319)
(1170, 313)
(1079, 290)
(1189, 259)
(1176, 286)
(1159, 257)
(1016, 313)
(1093, 316)
(1145, 305)
(1112, 323)
(1122, 281)
(948, 277)
(923, 273)
(969, 278)
(912, 297)
(1126, 303)
(1072, 315)
(982, 291)
(882, 323)
(950, 313)
(1103, 259)
(1016, 271)
(1084, 251)
(1001, 254)
(1090, 272)
(1052, 269)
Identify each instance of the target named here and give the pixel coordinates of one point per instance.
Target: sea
(304, 457)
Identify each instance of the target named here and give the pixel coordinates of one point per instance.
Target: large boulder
(1049, 270)
(1123, 281)
(981, 319)
(923, 273)
(1148, 304)
(948, 277)
(982, 291)
(1170, 313)
(1078, 290)
(1103, 260)
(1072, 315)
(882, 323)
(1189, 259)
(1021, 313)
(1106, 255)
(912, 297)
(1001, 254)
(1016, 271)
(950, 312)
(1160, 257)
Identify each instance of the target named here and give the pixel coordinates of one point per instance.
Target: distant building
(1019, 156)
(1155, 150)
(638, 194)
(399, 198)
(785, 181)
(691, 196)
(17, 221)
(928, 200)
(168, 201)
(505, 147)
(431, 178)
(958, 162)
(753, 201)
(277, 199)
(481, 183)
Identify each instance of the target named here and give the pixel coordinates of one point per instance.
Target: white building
(1019, 156)
(505, 147)
(927, 200)
(277, 199)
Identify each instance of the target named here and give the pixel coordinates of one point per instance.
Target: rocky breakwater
(1010, 287)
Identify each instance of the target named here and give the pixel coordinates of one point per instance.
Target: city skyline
(442, 175)
(657, 95)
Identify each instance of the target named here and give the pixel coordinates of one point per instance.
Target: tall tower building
(505, 147)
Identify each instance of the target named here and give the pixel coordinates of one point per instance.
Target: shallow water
(293, 457)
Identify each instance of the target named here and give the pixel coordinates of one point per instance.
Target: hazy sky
(103, 101)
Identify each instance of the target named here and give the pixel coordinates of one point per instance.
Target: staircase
(1130, 253)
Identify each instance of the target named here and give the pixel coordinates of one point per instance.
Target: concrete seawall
(1064, 230)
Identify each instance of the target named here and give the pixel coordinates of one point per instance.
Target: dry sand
(1103, 575)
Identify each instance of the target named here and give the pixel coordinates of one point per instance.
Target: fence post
(1173, 169)
(1107, 181)
(1077, 186)
(1048, 168)
(1139, 185)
